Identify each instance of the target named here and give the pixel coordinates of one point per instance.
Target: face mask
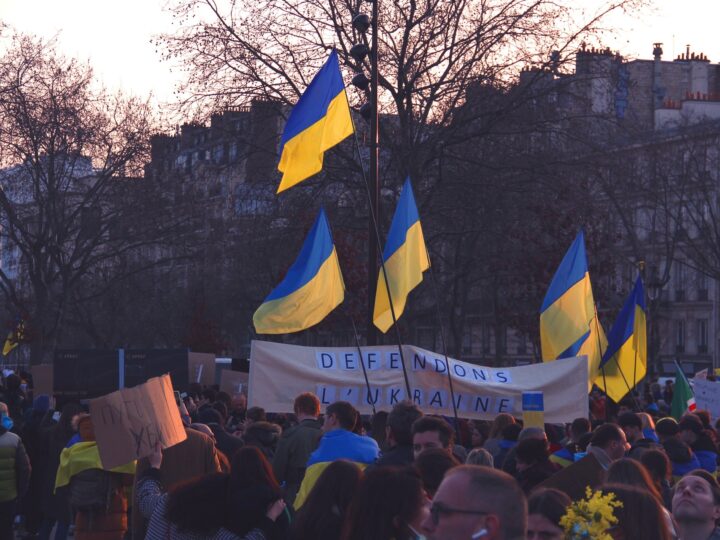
(481, 533)
(418, 536)
(7, 422)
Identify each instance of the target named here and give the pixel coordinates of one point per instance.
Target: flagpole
(362, 363)
(375, 229)
(602, 367)
(444, 346)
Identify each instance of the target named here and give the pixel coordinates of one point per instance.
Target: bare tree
(73, 217)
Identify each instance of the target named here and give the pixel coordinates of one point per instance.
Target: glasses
(438, 509)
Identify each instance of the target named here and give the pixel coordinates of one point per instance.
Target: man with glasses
(474, 503)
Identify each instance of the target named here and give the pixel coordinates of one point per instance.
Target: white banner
(278, 373)
(707, 396)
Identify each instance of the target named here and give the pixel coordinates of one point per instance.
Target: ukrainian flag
(405, 259)
(334, 445)
(319, 121)
(625, 360)
(312, 288)
(568, 321)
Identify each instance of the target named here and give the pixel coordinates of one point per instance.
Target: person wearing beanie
(666, 428)
(692, 433)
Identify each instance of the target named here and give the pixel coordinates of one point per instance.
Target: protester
(666, 428)
(390, 505)
(628, 472)
(378, 425)
(480, 456)
(658, 466)
(648, 427)
(640, 516)
(225, 442)
(296, 444)
(682, 458)
(533, 463)
(545, 509)
(566, 455)
(431, 432)
(691, 432)
(477, 502)
(338, 442)
(492, 444)
(98, 496)
(216, 506)
(196, 456)
(631, 424)
(432, 464)
(399, 435)
(608, 444)
(510, 434)
(479, 433)
(55, 505)
(237, 413)
(264, 436)
(14, 472)
(537, 433)
(696, 506)
(37, 420)
(325, 510)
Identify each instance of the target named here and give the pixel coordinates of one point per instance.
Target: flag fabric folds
(683, 400)
(625, 360)
(14, 337)
(320, 120)
(568, 320)
(405, 257)
(312, 288)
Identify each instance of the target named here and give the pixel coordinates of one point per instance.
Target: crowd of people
(242, 473)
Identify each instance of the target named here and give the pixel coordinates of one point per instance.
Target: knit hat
(41, 403)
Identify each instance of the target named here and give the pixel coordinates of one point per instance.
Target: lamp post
(369, 111)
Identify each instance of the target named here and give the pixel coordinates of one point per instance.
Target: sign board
(201, 368)
(233, 382)
(143, 364)
(128, 423)
(85, 373)
(42, 376)
(707, 396)
(279, 372)
(533, 409)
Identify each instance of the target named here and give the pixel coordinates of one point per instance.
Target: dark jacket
(400, 455)
(292, 454)
(706, 452)
(225, 442)
(263, 435)
(536, 474)
(14, 467)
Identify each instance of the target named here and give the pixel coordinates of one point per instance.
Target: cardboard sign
(42, 379)
(201, 368)
(128, 423)
(707, 396)
(279, 372)
(234, 382)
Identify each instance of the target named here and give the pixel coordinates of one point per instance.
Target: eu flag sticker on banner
(533, 409)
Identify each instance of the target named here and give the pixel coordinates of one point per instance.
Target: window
(521, 344)
(502, 340)
(232, 154)
(486, 338)
(702, 287)
(680, 336)
(702, 336)
(426, 338)
(679, 281)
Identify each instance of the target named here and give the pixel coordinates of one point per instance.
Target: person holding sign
(213, 506)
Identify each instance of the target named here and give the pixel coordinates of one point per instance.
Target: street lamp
(362, 23)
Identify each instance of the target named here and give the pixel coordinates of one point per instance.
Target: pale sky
(115, 35)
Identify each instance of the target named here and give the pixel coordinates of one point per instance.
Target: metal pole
(374, 198)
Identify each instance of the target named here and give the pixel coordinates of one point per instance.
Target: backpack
(91, 490)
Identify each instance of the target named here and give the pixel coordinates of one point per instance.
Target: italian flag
(683, 400)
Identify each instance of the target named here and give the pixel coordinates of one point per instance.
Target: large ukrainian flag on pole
(568, 320)
(405, 257)
(625, 361)
(319, 121)
(312, 288)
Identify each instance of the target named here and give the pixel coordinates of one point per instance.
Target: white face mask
(480, 534)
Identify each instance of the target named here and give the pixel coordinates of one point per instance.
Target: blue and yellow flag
(319, 121)
(625, 360)
(568, 320)
(405, 257)
(312, 288)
